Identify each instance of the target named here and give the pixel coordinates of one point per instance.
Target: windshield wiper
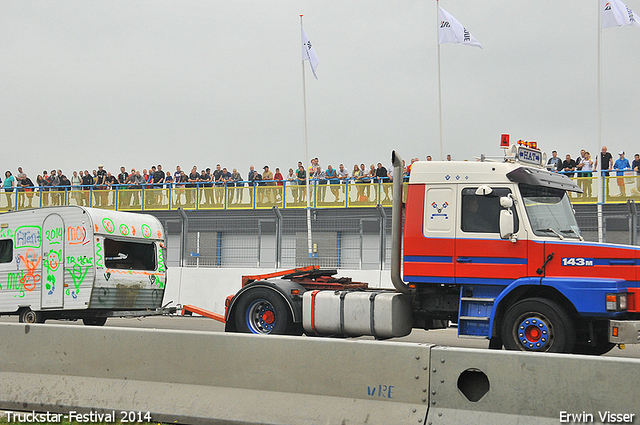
(550, 230)
(571, 231)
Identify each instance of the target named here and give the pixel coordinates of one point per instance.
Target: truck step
(479, 300)
(473, 318)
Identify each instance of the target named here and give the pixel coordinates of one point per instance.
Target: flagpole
(439, 80)
(306, 154)
(601, 181)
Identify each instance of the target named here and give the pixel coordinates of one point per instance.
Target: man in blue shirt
(620, 165)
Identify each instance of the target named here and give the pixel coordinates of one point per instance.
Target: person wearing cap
(621, 165)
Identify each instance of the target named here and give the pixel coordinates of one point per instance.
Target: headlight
(617, 302)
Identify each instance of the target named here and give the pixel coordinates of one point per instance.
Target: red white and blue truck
(493, 246)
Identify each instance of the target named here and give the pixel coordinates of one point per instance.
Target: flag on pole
(616, 14)
(309, 54)
(452, 31)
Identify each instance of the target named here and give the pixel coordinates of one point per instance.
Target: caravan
(80, 263)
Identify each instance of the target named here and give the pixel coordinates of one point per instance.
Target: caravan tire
(27, 315)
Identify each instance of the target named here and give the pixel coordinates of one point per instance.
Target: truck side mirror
(506, 202)
(484, 190)
(506, 225)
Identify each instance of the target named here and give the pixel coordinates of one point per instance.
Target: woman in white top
(586, 181)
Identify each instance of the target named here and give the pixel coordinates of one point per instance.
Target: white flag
(617, 14)
(452, 31)
(309, 54)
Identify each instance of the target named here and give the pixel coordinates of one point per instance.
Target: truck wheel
(261, 311)
(538, 324)
(27, 315)
(94, 321)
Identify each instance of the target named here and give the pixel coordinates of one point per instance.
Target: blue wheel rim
(261, 317)
(534, 333)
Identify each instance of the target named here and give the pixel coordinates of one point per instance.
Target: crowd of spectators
(53, 185)
(584, 166)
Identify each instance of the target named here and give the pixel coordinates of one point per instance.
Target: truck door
(429, 240)
(53, 259)
(481, 256)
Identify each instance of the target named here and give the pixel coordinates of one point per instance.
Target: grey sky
(137, 83)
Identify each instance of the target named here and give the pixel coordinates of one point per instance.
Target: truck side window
(481, 214)
(6, 250)
(128, 255)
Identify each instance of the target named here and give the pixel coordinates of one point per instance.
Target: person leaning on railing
(621, 165)
(586, 168)
(635, 166)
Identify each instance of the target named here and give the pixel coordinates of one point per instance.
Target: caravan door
(52, 262)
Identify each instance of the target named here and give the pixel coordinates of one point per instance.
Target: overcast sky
(186, 83)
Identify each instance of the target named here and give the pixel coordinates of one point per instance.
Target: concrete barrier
(198, 377)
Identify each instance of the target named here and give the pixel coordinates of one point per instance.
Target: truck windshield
(549, 211)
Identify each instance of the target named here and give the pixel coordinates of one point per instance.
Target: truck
(493, 245)
(73, 262)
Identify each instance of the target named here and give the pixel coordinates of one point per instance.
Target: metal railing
(205, 196)
(267, 194)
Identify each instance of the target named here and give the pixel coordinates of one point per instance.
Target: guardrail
(267, 194)
(202, 377)
(206, 196)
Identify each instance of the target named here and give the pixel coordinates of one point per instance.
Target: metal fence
(341, 238)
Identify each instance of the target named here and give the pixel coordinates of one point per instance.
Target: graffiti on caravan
(27, 237)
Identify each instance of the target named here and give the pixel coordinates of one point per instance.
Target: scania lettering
(493, 246)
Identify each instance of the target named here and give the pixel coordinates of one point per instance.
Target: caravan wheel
(27, 315)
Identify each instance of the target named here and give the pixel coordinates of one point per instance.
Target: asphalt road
(443, 337)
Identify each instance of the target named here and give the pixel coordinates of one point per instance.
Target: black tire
(538, 324)
(94, 321)
(27, 315)
(262, 311)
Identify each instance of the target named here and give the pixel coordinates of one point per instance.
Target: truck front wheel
(538, 324)
(262, 311)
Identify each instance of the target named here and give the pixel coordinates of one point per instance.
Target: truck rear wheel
(94, 321)
(262, 311)
(27, 315)
(538, 324)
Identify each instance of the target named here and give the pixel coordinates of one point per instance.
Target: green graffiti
(161, 267)
(108, 225)
(82, 261)
(52, 261)
(124, 230)
(51, 278)
(146, 231)
(14, 283)
(54, 236)
(99, 258)
(78, 274)
(6, 233)
(27, 237)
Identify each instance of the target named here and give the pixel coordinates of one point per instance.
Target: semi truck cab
(496, 247)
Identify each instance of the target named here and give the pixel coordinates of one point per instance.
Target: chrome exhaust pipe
(396, 224)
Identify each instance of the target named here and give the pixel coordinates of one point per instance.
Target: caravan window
(128, 255)
(6, 250)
